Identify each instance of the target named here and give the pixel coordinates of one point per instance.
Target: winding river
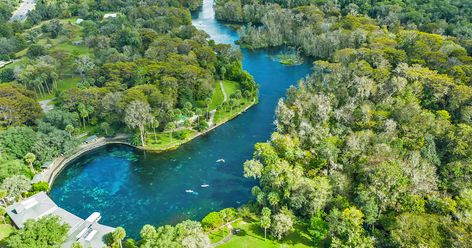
(131, 188)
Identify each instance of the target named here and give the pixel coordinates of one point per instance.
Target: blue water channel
(131, 188)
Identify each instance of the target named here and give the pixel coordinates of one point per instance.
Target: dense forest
(374, 148)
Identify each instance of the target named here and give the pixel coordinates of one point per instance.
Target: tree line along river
(131, 188)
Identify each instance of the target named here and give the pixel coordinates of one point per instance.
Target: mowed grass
(5, 230)
(218, 97)
(230, 87)
(162, 140)
(252, 235)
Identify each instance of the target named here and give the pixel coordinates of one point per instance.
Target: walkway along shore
(50, 174)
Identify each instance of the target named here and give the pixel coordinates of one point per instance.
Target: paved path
(46, 105)
(224, 92)
(227, 238)
(21, 12)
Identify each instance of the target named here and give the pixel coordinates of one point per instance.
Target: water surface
(131, 188)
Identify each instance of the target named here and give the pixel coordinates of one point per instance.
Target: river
(131, 188)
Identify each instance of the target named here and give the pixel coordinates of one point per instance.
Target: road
(20, 13)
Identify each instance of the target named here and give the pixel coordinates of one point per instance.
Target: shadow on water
(131, 189)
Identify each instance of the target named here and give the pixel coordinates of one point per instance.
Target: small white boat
(189, 191)
(220, 160)
(205, 185)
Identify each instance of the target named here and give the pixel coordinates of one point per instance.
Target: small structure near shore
(87, 232)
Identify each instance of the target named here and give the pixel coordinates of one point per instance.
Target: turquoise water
(131, 188)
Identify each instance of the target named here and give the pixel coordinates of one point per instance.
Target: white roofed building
(88, 232)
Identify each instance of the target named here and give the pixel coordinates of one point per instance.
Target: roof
(110, 15)
(91, 138)
(89, 234)
(46, 164)
(33, 207)
(40, 205)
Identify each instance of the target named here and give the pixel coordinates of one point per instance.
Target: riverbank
(178, 143)
(56, 167)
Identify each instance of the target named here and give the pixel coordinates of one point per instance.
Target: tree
(418, 230)
(253, 168)
(318, 228)
(117, 236)
(170, 128)
(198, 112)
(138, 115)
(282, 224)
(69, 129)
(30, 158)
(345, 228)
(3, 211)
(211, 221)
(265, 220)
(226, 215)
(76, 244)
(105, 126)
(83, 112)
(48, 231)
(207, 104)
(16, 186)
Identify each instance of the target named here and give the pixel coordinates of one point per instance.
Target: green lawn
(163, 139)
(230, 87)
(218, 97)
(217, 235)
(252, 235)
(5, 230)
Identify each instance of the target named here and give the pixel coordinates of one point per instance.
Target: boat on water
(189, 191)
(220, 160)
(205, 185)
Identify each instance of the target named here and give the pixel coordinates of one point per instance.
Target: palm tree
(118, 235)
(170, 127)
(207, 103)
(69, 129)
(30, 158)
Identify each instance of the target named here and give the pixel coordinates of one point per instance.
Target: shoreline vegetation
(61, 162)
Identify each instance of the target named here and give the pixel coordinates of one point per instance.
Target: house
(110, 15)
(91, 139)
(88, 232)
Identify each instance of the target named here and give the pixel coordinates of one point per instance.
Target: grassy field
(163, 139)
(252, 235)
(5, 230)
(218, 97)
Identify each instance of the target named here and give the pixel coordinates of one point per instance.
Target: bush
(7, 75)
(36, 51)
